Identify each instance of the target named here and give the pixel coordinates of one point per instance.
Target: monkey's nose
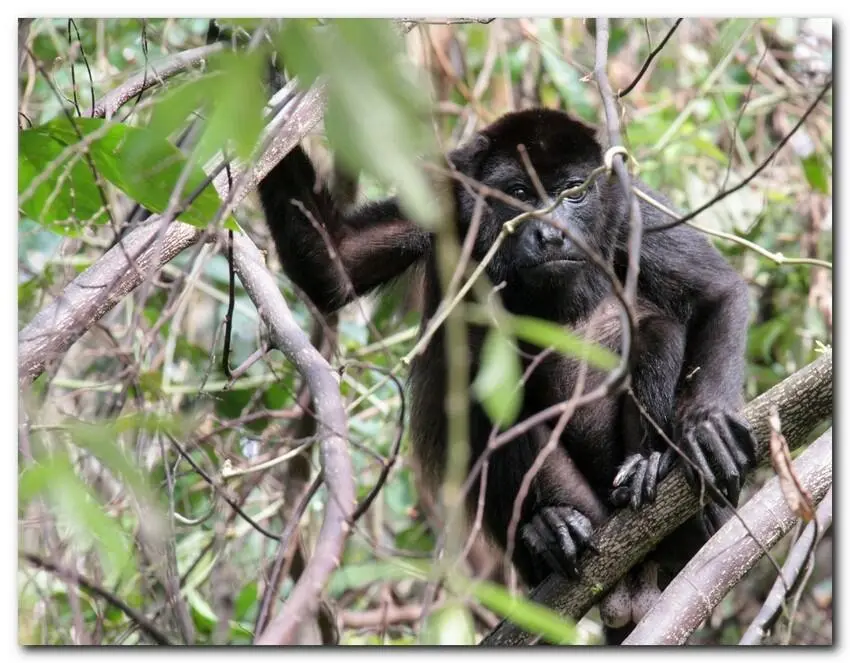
(546, 235)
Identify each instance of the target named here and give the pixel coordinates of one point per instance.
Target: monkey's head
(545, 273)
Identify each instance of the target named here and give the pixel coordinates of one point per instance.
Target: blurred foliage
(96, 463)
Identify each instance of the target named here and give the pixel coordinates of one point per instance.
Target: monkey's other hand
(637, 480)
(720, 443)
(556, 536)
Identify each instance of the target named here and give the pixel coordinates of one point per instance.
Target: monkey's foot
(556, 536)
(713, 436)
(637, 479)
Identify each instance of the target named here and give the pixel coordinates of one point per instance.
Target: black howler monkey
(689, 341)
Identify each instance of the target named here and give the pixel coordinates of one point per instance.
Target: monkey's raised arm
(373, 244)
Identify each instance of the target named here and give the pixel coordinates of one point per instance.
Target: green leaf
(353, 576)
(101, 441)
(68, 198)
(498, 384)
(143, 165)
(78, 509)
(564, 76)
(237, 115)
(450, 624)
(525, 613)
(814, 167)
(546, 334)
(376, 115)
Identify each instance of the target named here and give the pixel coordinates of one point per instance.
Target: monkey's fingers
(712, 518)
(728, 478)
(668, 461)
(627, 469)
(538, 539)
(650, 482)
(636, 485)
(620, 496)
(566, 546)
(743, 434)
(698, 470)
(581, 528)
(739, 455)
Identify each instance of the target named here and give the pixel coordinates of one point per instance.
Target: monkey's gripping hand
(637, 479)
(556, 536)
(720, 446)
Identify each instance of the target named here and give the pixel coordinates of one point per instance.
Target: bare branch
(794, 572)
(722, 562)
(803, 400)
(152, 75)
(649, 59)
(287, 336)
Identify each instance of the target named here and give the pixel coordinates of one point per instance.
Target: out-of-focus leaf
(237, 115)
(498, 384)
(352, 576)
(565, 77)
(524, 613)
(77, 509)
(376, 115)
(450, 624)
(100, 440)
(546, 334)
(814, 167)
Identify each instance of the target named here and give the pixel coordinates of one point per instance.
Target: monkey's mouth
(556, 265)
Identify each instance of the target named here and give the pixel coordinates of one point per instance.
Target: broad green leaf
(546, 334)
(101, 441)
(68, 198)
(450, 624)
(144, 166)
(525, 613)
(498, 384)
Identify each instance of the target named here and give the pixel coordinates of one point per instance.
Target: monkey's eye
(577, 198)
(521, 193)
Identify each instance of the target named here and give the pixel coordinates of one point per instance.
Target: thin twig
(649, 59)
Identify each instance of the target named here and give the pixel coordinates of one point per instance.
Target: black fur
(689, 344)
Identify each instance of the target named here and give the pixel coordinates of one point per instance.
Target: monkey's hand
(556, 536)
(637, 479)
(720, 446)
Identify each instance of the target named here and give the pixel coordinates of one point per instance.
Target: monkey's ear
(466, 157)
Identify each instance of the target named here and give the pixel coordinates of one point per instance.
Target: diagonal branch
(804, 400)
(722, 562)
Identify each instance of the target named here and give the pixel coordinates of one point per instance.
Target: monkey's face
(543, 264)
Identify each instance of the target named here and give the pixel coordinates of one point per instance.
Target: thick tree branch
(729, 554)
(287, 336)
(803, 400)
